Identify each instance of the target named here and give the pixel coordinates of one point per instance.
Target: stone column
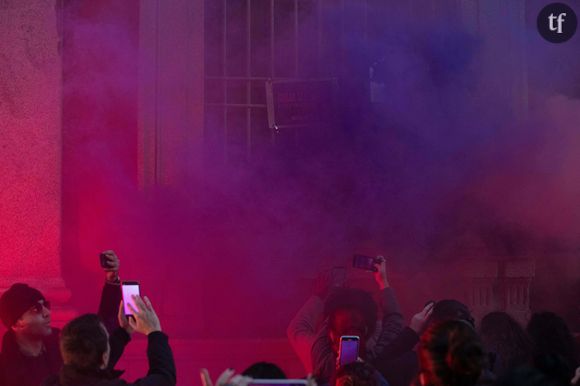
(30, 149)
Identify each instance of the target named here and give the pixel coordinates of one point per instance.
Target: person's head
(450, 354)
(264, 370)
(25, 311)
(356, 374)
(525, 376)
(450, 309)
(554, 367)
(551, 335)
(84, 343)
(350, 312)
(505, 340)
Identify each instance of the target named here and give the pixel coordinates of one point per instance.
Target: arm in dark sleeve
(161, 364)
(392, 323)
(109, 307)
(323, 358)
(302, 330)
(402, 344)
(118, 340)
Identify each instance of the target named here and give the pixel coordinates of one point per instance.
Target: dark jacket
(17, 369)
(161, 369)
(398, 361)
(400, 371)
(323, 356)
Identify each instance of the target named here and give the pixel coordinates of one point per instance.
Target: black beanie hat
(16, 301)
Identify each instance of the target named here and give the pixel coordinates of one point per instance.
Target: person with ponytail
(451, 354)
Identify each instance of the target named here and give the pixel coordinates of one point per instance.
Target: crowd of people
(440, 346)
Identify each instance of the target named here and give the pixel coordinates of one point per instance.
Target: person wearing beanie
(30, 347)
(19, 299)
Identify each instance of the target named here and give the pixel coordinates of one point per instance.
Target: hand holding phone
(124, 319)
(109, 260)
(130, 288)
(377, 265)
(348, 351)
(366, 263)
(104, 260)
(381, 273)
(144, 319)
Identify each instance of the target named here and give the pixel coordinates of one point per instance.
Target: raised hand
(144, 319)
(420, 319)
(112, 264)
(381, 274)
(123, 320)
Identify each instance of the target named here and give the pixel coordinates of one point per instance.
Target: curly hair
(353, 299)
(358, 374)
(451, 354)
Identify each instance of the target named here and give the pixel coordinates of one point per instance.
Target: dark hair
(449, 309)
(525, 376)
(353, 299)
(83, 341)
(451, 354)
(360, 373)
(264, 370)
(554, 346)
(505, 340)
(554, 367)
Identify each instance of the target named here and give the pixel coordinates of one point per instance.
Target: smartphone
(104, 260)
(348, 349)
(279, 382)
(365, 262)
(129, 289)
